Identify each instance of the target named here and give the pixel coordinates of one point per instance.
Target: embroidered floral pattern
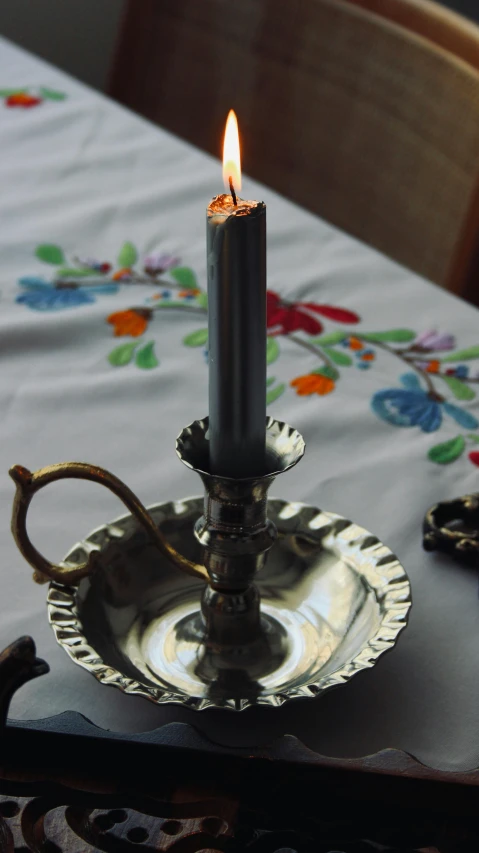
(285, 317)
(415, 406)
(133, 322)
(41, 295)
(30, 96)
(313, 383)
(422, 400)
(79, 281)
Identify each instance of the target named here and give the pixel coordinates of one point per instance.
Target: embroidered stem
(412, 360)
(178, 306)
(462, 378)
(136, 278)
(319, 352)
(315, 350)
(430, 385)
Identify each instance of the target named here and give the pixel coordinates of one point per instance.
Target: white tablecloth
(82, 175)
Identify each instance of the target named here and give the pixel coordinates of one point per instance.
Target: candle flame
(231, 154)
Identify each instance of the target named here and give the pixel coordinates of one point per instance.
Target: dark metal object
(236, 263)
(18, 664)
(453, 527)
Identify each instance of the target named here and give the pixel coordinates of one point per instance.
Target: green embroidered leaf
(272, 350)
(473, 437)
(326, 370)
(146, 358)
(5, 93)
(73, 272)
(52, 94)
(460, 390)
(332, 338)
(184, 276)
(448, 451)
(394, 336)
(128, 256)
(270, 380)
(123, 354)
(275, 392)
(338, 357)
(463, 354)
(196, 339)
(202, 300)
(50, 253)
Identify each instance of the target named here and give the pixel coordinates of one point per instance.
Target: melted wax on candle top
(223, 205)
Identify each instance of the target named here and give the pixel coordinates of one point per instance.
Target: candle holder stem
(236, 536)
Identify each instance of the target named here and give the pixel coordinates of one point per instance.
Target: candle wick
(232, 191)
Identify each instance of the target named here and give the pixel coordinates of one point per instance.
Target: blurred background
(80, 35)
(382, 100)
(76, 35)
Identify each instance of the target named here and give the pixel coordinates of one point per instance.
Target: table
(86, 184)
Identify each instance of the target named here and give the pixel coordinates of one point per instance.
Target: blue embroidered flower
(43, 295)
(413, 406)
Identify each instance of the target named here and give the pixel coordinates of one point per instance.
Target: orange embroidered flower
(22, 99)
(313, 383)
(367, 356)
(132, 322)
(433, 367)
(122, 275)
(355, 344)
(192, 292)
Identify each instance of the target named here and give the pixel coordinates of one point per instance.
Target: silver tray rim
(394, 593)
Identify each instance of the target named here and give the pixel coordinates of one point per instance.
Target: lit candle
(236, 259)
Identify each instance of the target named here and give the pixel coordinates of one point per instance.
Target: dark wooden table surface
(67, 786)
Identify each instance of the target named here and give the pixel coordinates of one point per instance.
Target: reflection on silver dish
(333, 599)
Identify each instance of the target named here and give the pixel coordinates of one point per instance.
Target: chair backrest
(359, 119)
(432, 21)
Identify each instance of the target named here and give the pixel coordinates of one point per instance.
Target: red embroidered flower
(474, 457)
(286, 317)
(22, 99)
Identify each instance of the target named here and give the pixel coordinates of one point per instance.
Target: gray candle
(236, 258)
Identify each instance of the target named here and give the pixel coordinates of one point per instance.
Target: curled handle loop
(28, 484)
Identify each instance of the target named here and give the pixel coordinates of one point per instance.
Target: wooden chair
(364, 111)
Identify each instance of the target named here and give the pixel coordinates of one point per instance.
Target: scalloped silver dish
(340, 595)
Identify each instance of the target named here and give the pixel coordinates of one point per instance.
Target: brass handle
(28, 484)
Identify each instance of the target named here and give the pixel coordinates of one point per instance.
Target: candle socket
(236, 536)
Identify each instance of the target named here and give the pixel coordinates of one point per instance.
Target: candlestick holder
(274, 600)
